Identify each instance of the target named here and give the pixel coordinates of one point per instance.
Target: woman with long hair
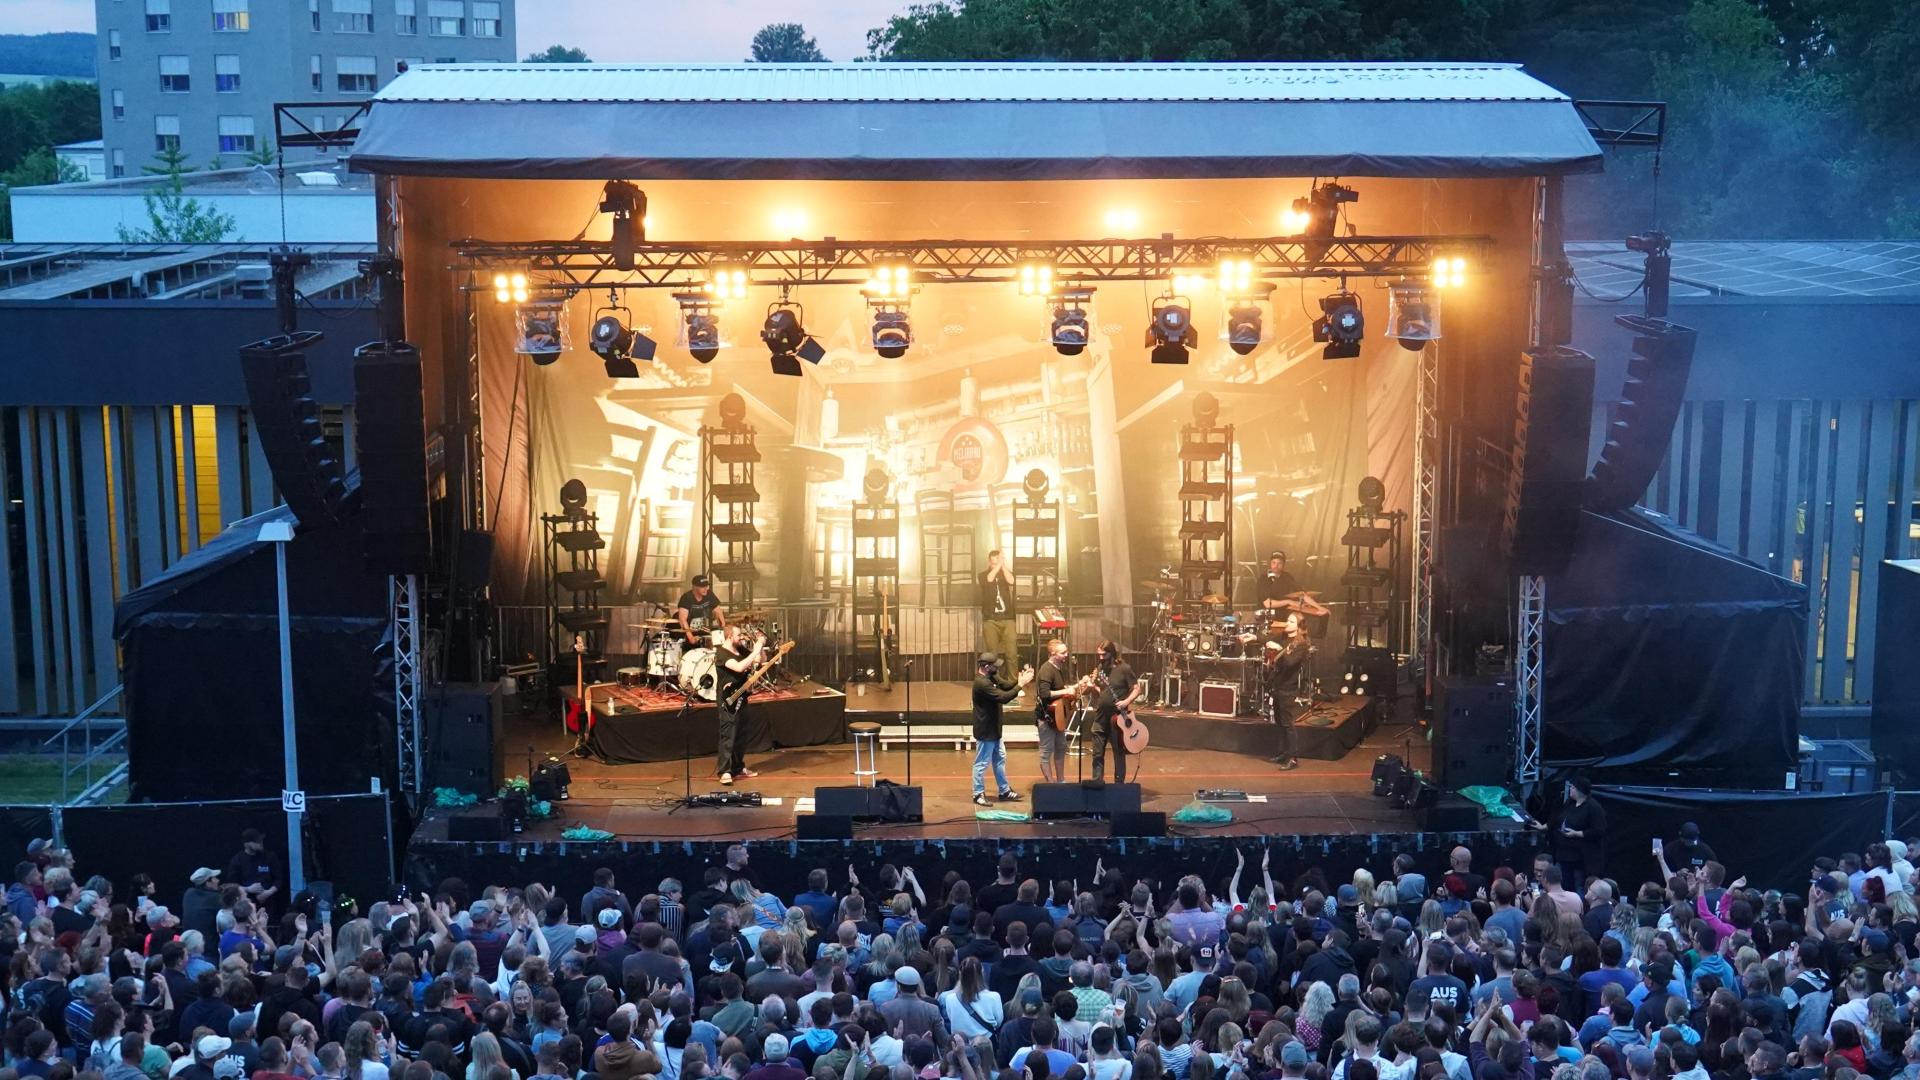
(1313, 1013)
(943, 974)
(768, 911)
(1363, 882)
(1234, 999)
(364, 1049)
(971, 1009)
(486, 1054)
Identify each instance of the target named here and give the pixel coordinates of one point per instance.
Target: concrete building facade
(204, 75)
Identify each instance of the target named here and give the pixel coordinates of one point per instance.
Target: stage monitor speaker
(1085, 800)
(823, 827)
(1546, 482)
(485, 822)
(389, 435)
(885, 802)
(1450, 813)
(1139, 824)
(1220, 699)
(464, 749)
(1640, 427)
(282, 415)
(1895, 729)
(1473, 731)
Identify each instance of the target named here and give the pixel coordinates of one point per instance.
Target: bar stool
(866, 752)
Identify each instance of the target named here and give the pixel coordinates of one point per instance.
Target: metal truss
(1529, 679)
(403, 607)
(471, 435)
(586, 264)
(330, 129)
(1624, 123)
(1426, 472)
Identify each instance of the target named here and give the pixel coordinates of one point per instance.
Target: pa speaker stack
(890, 803)
(390, 437)
(1553, 416)
(282, 415)
(1641, 427)
(1473, 731)
(1085, 800)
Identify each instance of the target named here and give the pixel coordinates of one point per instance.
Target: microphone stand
(686, 741)
(908, 717)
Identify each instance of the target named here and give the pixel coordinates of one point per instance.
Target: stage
(645, 726)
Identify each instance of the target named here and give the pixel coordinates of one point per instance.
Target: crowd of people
(1487, 973)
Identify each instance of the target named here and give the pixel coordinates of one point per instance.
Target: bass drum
(697, 675)
(663, 656)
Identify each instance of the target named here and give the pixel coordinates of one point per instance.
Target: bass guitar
(1130, 729)
(759, 673)
(579, 716)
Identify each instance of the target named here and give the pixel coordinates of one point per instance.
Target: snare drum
(697, 676)
(663, 656)
(631, 678)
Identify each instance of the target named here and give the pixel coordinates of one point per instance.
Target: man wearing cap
(1294, 1059)
(1579, 833)
(776, 1063)
(911, 1012)
(1688, 852)
(206, 1053)
(200, 907)
(1276, 584)
(699, 612)
(990, 697)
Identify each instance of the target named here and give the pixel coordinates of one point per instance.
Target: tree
(264, 154)
(560, 54)
(173, 217)
(22, 130)
(784, 43)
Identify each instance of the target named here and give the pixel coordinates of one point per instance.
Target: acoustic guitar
(1063, 707)
(1131, 730)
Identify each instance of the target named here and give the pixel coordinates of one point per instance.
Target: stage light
(628, 205)
(1340, 325)
(1449, 272)
(617, 343)
(1035, 486)
(1236, 275)
(510, 288)
(787, 340)
(1036, 279)
(1071, 329)
(1320, 213)
(1413, 314)
(1170, 330)
(1295, 218)
(1373, 494)
(875, 483)
(791, 221)
(1123, 219)
(1243, 327)
(1183, 284)
(1206, 408)
(701, 317)
(889, 283)
(726, 283)
(892, 331)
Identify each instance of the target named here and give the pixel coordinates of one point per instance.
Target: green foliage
(69, 53)
(784, 43)
(560, 54)
(23, 129)
(173, 217)
(263, 154)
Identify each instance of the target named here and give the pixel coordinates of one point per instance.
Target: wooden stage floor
(637, 802)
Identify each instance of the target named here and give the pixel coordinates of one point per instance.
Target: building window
(354, 74)
(313, 13)
(353, 16)
(318, 85)
(236, 134)
(405, 19)
(447, 18)
(113, 44)
(119, 104)
(166, 134)
(231, 16)
(159, 16)
(226, 74)
(174, 75)
(486, 19)
(119, 164)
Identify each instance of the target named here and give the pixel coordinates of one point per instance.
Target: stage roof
(888, 121)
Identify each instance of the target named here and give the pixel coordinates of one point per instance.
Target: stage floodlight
(1170, 330)
(1035, 485)
(1373, 494)
(1413, 314)
(1340, 326)
(1071, 329)
(1184, 284)
(1244, 327)
(510, 288)
(733, 410)
(875, 483)
(617, 344)
(1318, 216)
(700, 316)
(889, 283)
(1449, 272)
(1235, 276)
(787, 340)
(726, 283)
(1206, 408)
(1036, 279)
(628, 205)
(892, 331)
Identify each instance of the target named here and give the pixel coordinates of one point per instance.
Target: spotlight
(1413, 314)
(1243, 328)
(1340, 325)
(1035, 485)
(701, 317)
(510, 288)
(1318, 215)
(892, 332)
(792, 221)
(1373, 494)
(1170, 331)
(1036, 279)
(617, 344)
(1206, 408)
(1183, 284)
(733, 410)
(726, 283)
(628, 205)
(787, 340)
(1449, 272)
(875, 483)
(889, 283)
(1071, 330)
(1236, 275)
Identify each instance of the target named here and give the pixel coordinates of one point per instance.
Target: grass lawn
(35, 778)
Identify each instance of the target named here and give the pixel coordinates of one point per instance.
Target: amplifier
(1220, 699)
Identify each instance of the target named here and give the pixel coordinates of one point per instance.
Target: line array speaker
(1641, 425)
(1546, 484)
(283, 417)
(390, 437)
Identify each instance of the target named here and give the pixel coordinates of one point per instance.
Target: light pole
(292, 799)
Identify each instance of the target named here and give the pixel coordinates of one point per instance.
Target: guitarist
(1051, 685)
(990, 697)
(738, 653)
(1117, 693)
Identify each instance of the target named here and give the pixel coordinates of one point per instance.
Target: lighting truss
(1530, 668)
(583, 264)
(403, 606)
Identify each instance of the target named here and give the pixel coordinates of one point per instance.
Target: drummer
(1276, 585)
(699, 612)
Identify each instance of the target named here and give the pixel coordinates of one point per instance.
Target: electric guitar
(1131, 730)
(883, 634)
(760, 672)
(579, 716)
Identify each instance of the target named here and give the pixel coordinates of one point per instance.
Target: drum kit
(674, 663)
(1206, 638)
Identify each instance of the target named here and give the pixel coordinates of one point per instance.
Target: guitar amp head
(1220, 699)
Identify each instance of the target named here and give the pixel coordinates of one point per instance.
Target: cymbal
(1213, 598)
(1303, 594)
(1157, 584)
(749, 615)
(653, 624)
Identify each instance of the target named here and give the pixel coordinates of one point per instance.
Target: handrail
(91, 752)
(85, 715)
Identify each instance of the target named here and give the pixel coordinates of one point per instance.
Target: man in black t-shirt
(1052, 684)
(734, 660)
(699, 612)
(1117, 692)
(1276, 584)
(996, 613)
(254, 868)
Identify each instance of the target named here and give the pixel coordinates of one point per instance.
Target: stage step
(954, 736)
